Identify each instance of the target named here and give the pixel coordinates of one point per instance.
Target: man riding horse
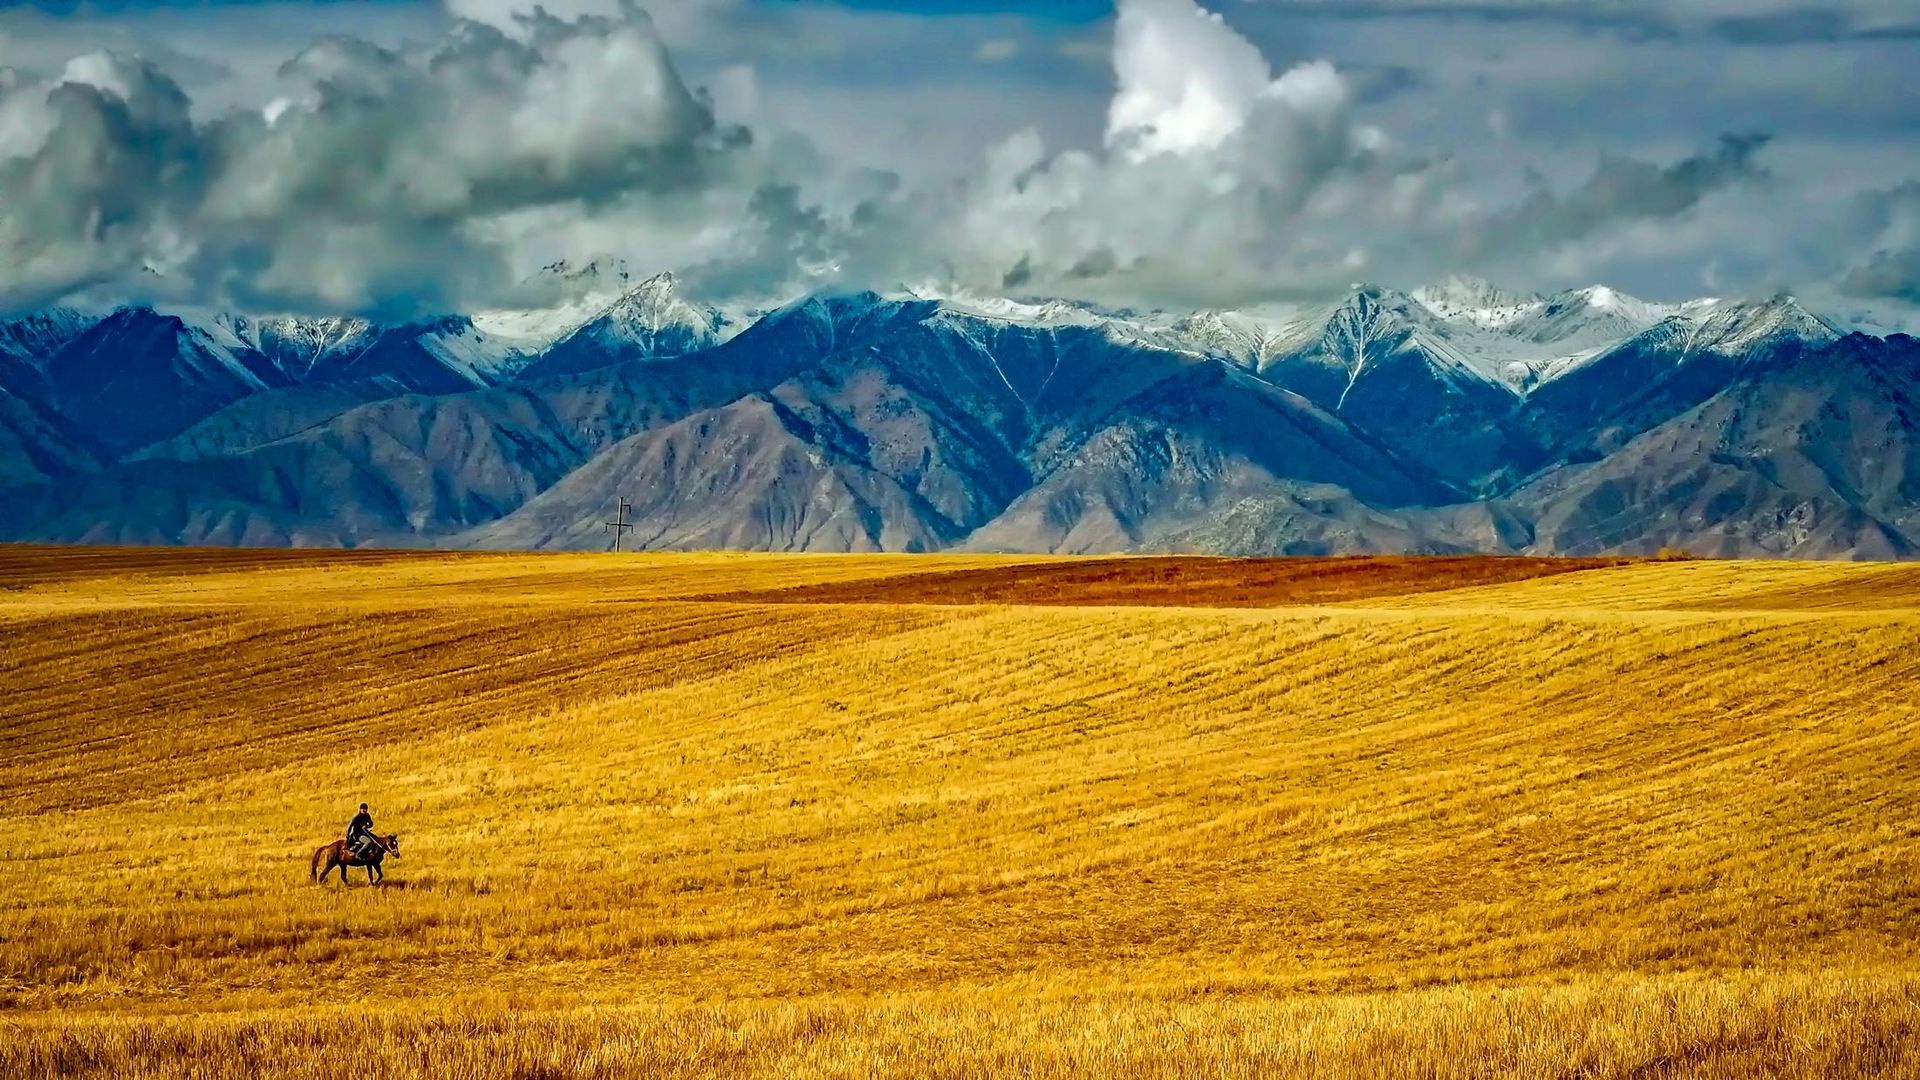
(360, 833)
(361, 848)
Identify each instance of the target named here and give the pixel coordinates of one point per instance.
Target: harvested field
(752, 815)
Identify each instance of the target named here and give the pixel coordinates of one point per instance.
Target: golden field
(825, 816)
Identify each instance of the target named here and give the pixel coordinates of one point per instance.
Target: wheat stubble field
(963, 816)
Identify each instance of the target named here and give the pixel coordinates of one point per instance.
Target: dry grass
(1652, 820)
(1743, 1027)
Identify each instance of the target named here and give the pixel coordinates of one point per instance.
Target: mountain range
(1457, 417)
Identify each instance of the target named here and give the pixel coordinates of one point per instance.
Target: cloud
(95, 165)
(1891, 269)
(1187, 81)
(398, 179)
(1219, 182)
(1889, 275)
(37, 46)
(1620, 191)
(376, 179)
(1208, 162)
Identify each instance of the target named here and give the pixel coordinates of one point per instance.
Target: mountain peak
(1603, 297)
(661, 288)
(652, 316)
(1733, 327)
(1460, 293)
(1605, 302)
(1045, 312)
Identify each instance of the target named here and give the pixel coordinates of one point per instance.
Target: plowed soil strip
(1181, 581)
(36, 564)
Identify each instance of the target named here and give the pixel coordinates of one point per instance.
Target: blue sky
(1227, 152)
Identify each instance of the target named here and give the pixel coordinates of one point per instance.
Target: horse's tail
(313, 871)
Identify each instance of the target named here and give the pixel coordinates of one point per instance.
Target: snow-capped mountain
(36, 335)
(648, 320)
(1730, 328)
(1458, 416)
(1461, 326)
(595, 313)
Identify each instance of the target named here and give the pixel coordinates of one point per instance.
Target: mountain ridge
(1456, 417)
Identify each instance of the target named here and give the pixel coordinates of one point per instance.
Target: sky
(406, 157)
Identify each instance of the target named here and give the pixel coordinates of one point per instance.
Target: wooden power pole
(619, 525)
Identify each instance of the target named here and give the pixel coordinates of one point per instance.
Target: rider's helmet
(363, 806)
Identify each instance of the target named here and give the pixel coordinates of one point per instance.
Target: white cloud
(375, 179)
(93, 166)
(1187, 81)
(1213, 174)
(1220, 182)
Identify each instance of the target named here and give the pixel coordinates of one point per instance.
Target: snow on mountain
(1586, 318)
(576, 295)
(1024, 312)
(647, 321)
(1707, 326)
(1462, 326)
(534, 329)
(1731, 328)
(596, 307)
(1475, 302)
(203, 339)
(1529, 339)
(1369, 325)
(297, 344)
(39, 334)
(431, 356)
(866, 420)
(583, 316)
(1376, 321)
(1513, 340)
(498, 343)
(655, 309)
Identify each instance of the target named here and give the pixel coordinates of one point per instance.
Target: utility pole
(619, 526)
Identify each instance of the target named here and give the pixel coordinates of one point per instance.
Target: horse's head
(392, 844)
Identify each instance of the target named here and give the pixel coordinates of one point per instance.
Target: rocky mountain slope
(1457, 417)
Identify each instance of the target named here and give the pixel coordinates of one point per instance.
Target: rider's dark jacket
(361, 825)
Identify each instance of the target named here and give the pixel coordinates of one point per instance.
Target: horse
(337, 854)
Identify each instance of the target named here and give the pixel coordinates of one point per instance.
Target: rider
(360, 831)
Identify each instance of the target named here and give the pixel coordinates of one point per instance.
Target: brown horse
(337, 854)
